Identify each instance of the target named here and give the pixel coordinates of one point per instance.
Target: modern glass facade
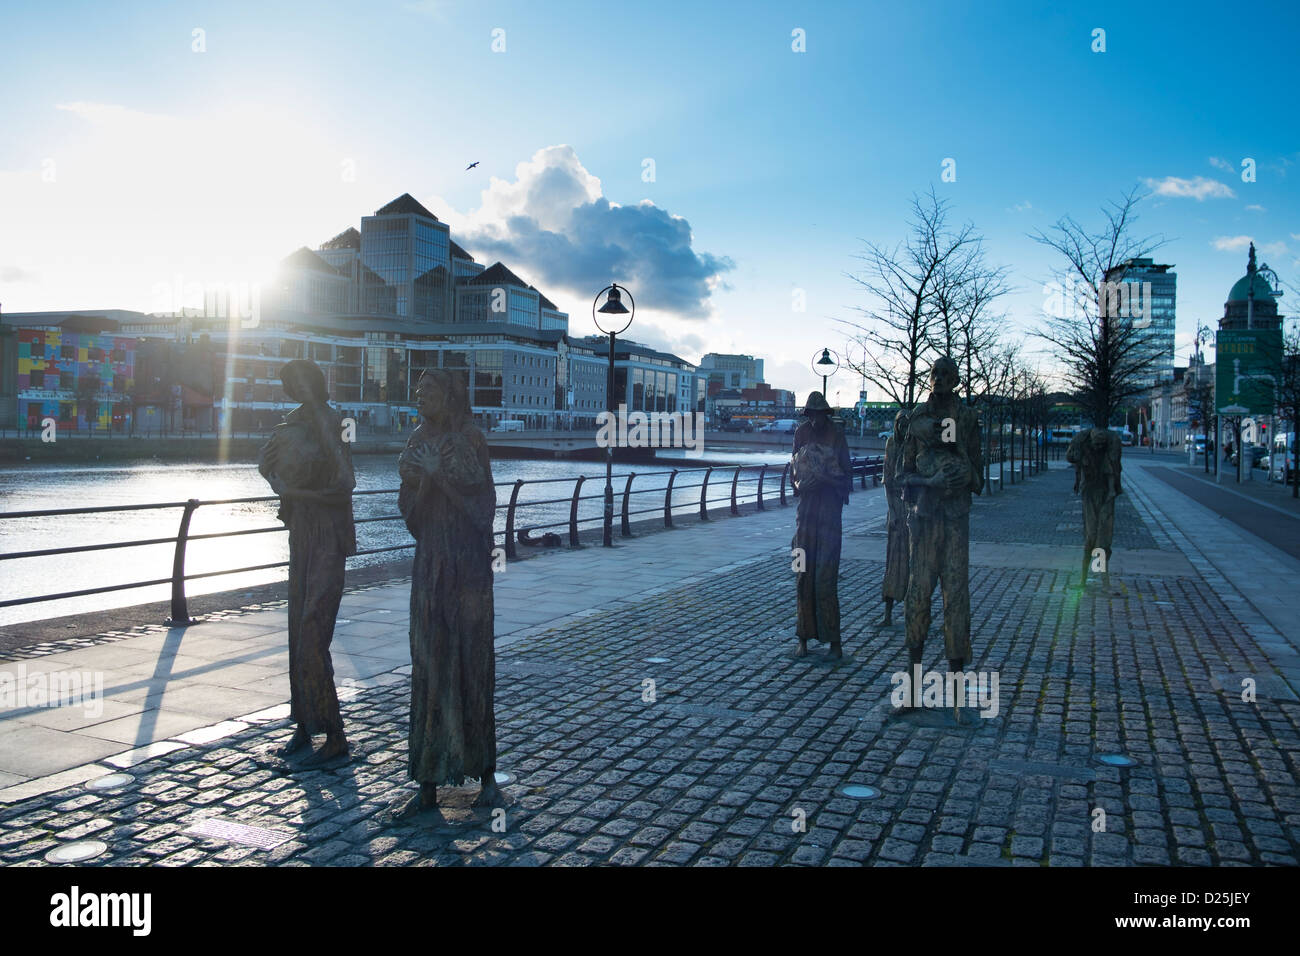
(411, 257)
(1145, 293)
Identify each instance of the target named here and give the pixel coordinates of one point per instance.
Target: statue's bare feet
(962, 717)
(297, 742)
(336, 745)
(425, 800)
(489, 795)
(802, 651)
(835, 651)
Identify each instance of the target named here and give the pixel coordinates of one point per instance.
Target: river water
(49, 486)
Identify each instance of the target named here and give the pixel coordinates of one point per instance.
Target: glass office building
(409, 250)
(1141, 291)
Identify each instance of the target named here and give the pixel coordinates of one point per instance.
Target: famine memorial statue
(894, 588)
(941, 466)
(309, 466)
(448, 501)
(822, 474)
(1095, 455)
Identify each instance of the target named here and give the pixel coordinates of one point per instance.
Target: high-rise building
(732, 371)
(1144, 293)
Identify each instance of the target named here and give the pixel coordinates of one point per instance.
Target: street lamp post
(614, 310)
(826, 366)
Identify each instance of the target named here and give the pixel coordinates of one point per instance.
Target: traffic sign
(1246, 363)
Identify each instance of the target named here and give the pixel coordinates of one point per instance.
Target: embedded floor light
(78, 852)
(859, 791)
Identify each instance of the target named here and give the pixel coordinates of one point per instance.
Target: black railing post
(735, 510)
(784, 471)
(704, 494)
(668, 500)
(510, 520)
(180, 609)
(626, 529)
(761, 472)
(573, 513)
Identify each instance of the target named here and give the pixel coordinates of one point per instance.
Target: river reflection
(49, 486)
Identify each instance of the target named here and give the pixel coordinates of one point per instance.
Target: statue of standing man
(448, 501)
(1095, 455)
(941, 467)
(307, 463)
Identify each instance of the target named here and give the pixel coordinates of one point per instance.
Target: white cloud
(1231, 243)
(554, 224)
(1198, 188)
(1256, 207)
(1219, 163)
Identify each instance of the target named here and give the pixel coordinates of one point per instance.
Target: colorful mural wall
(57, 370)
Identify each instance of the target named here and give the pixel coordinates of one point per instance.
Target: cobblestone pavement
(678, 729)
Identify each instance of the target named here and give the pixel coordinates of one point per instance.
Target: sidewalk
(649, 711)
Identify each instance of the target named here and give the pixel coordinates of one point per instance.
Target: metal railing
(864, 469)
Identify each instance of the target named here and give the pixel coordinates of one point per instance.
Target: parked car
(1253, 454)
(887, 434)
(781, 426)
(513, 425)
(738, 425)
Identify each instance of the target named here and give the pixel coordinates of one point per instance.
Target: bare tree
(902, 281)
(1104, 354)
(965, 290)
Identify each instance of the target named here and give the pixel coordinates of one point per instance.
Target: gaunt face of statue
(430, 399)
(294, 386)
(943, 380)
(818, 421)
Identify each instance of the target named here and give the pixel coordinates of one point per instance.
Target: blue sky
(130, 159)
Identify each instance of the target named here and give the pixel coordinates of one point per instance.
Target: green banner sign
(1246, 366)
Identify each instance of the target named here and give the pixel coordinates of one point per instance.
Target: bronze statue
(822, 474)
(447, 500)
(941, 466)
(1095, 455)
(894, 587)
(309, 466)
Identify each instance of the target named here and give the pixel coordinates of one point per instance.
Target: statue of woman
(309, 466)
(447, 500)
(823, 476)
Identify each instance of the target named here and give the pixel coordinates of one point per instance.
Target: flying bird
(471, 166)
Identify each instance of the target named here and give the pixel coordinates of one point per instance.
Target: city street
(649, 709)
